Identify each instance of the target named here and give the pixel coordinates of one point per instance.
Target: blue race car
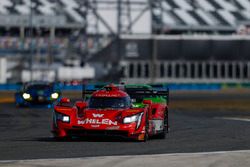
(37, 94)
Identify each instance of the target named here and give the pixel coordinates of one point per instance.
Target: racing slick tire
(145, 135)
(66, 138)
(60, 138)
(162, 135)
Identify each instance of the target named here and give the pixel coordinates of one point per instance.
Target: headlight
(63, 118)
(26, 96)
(133, 118)
(54, 95)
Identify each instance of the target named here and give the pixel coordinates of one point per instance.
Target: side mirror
(148, 102)
(65, 100)
(81, 104)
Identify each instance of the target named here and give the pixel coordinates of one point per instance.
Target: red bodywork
(85, 121)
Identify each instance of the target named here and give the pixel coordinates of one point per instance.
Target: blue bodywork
(39, 93)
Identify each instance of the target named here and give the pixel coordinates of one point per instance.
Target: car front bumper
(120, 130)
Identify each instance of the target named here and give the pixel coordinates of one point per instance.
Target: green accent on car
(155, 100)
(141, 86)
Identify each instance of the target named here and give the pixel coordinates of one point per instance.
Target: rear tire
(167, 122)
(162, 135)
(146, 136)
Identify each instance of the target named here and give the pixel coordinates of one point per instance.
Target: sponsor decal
(113, 128)
(96, 121)
(158, 125)
(108, 95)
(95, 126)
(97, 115)
(131, 49)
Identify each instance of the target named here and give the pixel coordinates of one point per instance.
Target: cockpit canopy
(109, 102)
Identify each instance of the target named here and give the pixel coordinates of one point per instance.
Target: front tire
(145, 135)
(66, 138)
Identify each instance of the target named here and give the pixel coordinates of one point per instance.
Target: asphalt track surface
(25, 134)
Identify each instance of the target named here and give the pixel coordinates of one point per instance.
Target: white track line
(204, 159)
(234, 118)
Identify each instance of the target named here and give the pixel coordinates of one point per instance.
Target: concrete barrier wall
(171, 86)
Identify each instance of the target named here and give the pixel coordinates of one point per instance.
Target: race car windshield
(39, 87)
(109, 102)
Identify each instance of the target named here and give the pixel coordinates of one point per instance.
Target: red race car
(110, 112)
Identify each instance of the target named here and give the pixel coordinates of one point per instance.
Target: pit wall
(171, 86)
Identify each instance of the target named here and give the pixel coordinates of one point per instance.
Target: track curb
(206, 159)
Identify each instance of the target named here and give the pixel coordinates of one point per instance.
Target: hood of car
(40, 92)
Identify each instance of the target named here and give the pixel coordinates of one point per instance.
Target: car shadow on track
(82, 139)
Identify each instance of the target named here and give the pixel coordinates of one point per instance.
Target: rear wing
(159, 86)
(147, 86)
(87, 90)
(152, 93)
